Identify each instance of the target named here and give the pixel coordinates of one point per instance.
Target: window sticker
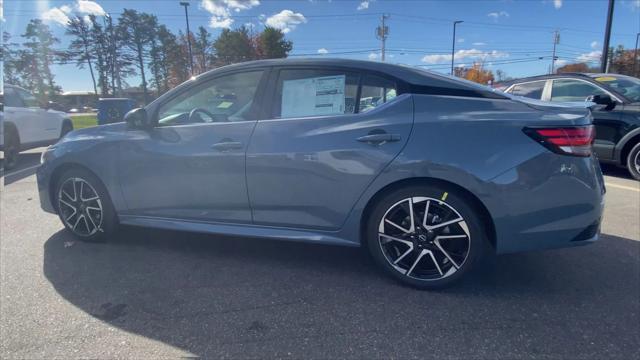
(313, 96)
(605, 78)
(224, 105)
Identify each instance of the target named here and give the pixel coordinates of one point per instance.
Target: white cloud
(60, 15)
(363, 5)
(2, 11)
(461, 40)
(557, 4)
(323, 51)
(221, 10)
(498, 14)
(593, 56)
(55, 15)
(372, 56)
(594, 44)
(465, 54)
(89, 7)
(635, 5)
(479, 44)
(286, 20)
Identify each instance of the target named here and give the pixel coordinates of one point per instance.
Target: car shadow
(218, 296)
(616, 171)
(26, 166)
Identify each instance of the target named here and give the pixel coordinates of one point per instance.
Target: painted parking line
(630, 188)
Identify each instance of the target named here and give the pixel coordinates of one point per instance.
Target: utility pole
(382, 32)
(453, 44)
(186, 15)
(635, 57)
(607, 36)
(556, 41)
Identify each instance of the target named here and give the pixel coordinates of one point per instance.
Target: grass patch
(84, 121)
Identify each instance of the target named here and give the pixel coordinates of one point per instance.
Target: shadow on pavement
(237, 297)
(26, 167)
(616, 171)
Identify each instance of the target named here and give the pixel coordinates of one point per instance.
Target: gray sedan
(428, 172)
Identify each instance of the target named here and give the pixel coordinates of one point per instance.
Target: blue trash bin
(112, 110)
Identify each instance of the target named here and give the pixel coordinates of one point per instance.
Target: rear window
(531, 90)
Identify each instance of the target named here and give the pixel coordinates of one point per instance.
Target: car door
(192, 165)
(43, 126)
(331, 132)
(607, 121)
(21, 116)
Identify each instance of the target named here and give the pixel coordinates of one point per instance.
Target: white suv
(26, 125)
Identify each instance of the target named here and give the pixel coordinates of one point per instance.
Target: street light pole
(607, 36)
(453, 44)
(186, 15)
(635, 57)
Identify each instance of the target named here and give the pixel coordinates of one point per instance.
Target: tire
(67, 127)
(89, 217)
(432, 257)
(633, 162)
(11, 147)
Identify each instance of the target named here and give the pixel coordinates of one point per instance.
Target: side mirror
(138, 119)
(602, 100)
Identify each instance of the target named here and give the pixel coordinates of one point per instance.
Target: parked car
(425, 171)
(616, 114)
(27, 125)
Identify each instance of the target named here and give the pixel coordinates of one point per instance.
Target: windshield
(627, 86)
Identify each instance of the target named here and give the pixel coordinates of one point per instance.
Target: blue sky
(510, 35)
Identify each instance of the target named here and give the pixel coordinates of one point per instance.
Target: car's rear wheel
(11, 148)
(425, 236)
(84, 206)
(633, 162)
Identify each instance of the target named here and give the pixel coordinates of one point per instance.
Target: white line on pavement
(622, 187)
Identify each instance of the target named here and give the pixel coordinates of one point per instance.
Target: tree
(622, 62)
(9, 58)
(203, 50)
(234, 46)
(576, 67)
(35, 59)
(476, 73)
(80, 46)
(137, 31)
(271, 44)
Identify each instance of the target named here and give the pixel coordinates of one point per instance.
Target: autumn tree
(233, 46)
(575, 68)
(476, 73)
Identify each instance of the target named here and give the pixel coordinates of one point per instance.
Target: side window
(531, 90)
(573, 90)
(11, 98)
(28, 99)
(375, 92)
(308, 92)
(226, 98)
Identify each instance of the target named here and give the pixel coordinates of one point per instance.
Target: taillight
(573, 140)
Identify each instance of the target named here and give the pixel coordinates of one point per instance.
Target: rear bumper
(550, 201)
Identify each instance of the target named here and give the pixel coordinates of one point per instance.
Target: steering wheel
(200, 110)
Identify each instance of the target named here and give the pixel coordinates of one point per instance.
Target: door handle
(379, 139)
(227, 145)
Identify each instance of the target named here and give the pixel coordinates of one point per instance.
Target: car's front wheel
(425, 236)
(633, 162)
(84, 205)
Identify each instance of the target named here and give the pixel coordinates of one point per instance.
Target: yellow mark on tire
(444, 196)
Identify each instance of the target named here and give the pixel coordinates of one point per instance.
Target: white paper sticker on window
(313, 96)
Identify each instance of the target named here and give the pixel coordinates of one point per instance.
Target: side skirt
(273, 233)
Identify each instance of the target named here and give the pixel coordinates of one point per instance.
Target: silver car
(428, 172)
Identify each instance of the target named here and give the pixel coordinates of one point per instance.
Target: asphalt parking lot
(152, 294)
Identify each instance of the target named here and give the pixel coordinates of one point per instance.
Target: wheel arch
(66, 121)
(10, 127)
(426, 181)
(627, 145)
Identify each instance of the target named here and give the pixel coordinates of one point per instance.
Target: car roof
(408, 74)
(575, 75)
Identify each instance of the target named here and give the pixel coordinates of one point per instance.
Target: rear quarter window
(532, 90)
